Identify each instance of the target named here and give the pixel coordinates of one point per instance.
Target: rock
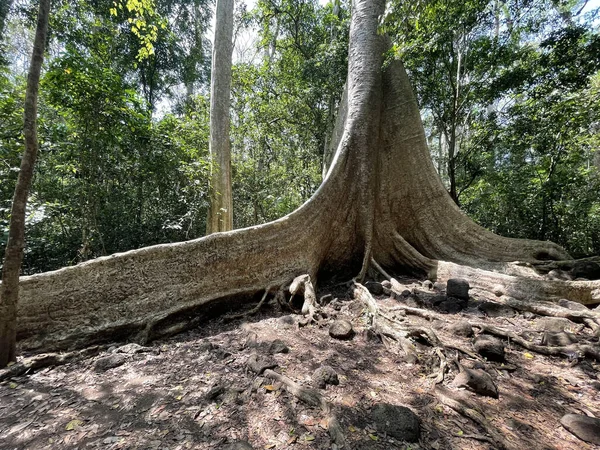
(132, 349)
(492, 309)
(457, 287)
(437, 300)
(288, 320)
(554, 324)
(461, 328)
(258, 364)
(498, 290)
(374, 288)
(239, 445)
(341, 329)
(528, 315)
(584, 427)
(396, 421)
(371, 337)
(558, 338)
(478, 381)
(559, 275)
(427, 284)
(110, 362)
(452, 305)
(325, 375)
(586, 269)
(489, 347)
(278, 346)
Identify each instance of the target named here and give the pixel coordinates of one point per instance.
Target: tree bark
(9, 290)
(220, 216)
(382, 200)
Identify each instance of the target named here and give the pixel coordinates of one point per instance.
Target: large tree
(382, 201)
(9, 290)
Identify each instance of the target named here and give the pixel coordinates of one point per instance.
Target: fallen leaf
(528, 355)
(270, 387)
(324, 423)
(309, 437)
(373, 437)
(352, 429)
(179, 397)
(73, 425)
(12, 385)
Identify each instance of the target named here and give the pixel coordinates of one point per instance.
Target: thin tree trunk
(9, 290)
(220, 216)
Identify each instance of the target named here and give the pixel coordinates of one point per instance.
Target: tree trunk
(382, 199)
(9, 290)
(220, 215)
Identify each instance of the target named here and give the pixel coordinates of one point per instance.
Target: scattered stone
(132, 349)
(584, 427)
(110, 362)
(341, 329)
(457, 287)
(489, 347)
(325, 375)
(528, 315)
(453, 305)
(437, 300)
(461, 328)
(498, 290)
(374, 287)
(258, 364)
(370, 336)
(558, 338)
(438, 324)
(278, 346)
(586, 269)
(427, 284)
(478, 381)
(396, 421)
(257, 383)
(492, 309)
(239, 445)
(554, 324)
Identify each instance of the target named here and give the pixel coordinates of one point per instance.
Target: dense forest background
(509, 91)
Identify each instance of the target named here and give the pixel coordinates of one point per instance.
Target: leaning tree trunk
(9, 290)
(220, 215)
(381, 200)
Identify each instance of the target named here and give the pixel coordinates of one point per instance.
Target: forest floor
(195, 390)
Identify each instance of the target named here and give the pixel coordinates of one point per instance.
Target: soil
(195, 391)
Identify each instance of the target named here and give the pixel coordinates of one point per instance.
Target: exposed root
(251, 312)
(302, 284)
(460, 403)
(314, 398)
(380, 269)
(443, 366)
(37, 362)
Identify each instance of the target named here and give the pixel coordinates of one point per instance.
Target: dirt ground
(194, 390)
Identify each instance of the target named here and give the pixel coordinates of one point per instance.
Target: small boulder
(457, 287)
(489, 347)
(461, 328)
(396, 421)
(341, 329)
(584, 427)
(278, 346)
(110, 362)
(439, 286)
(586, 269)
(492, 309)
(325, 375)
(477, 380)
(258, 364)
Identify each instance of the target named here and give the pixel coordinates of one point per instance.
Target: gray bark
(9, 289)
(382, 198)
(220, 216)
